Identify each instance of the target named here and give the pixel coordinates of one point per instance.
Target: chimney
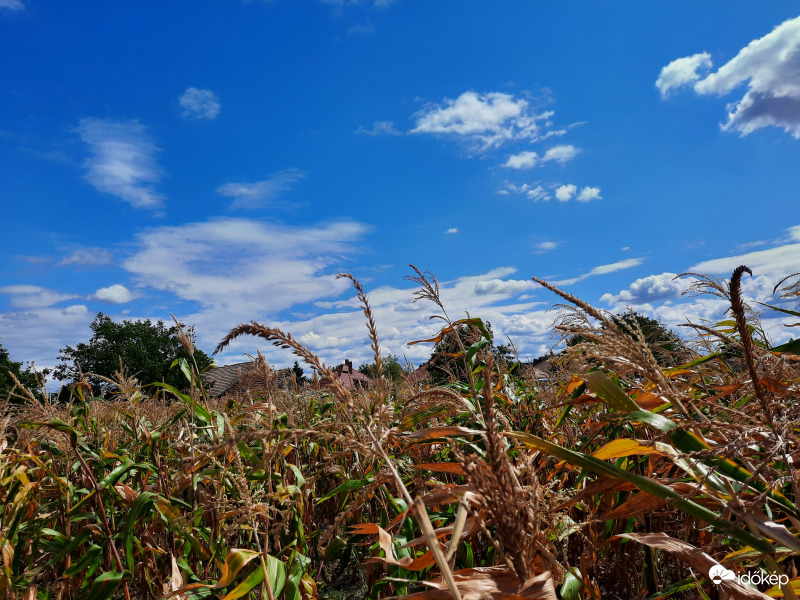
(349, 364)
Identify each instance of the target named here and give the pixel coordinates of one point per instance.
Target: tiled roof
(221, 380)
(352, 378)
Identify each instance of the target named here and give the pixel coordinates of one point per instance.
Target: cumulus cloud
(543, 247)
(523, 160)
(649, 289)
(379, 128)
(199, 104)
(12, 4)
(770, 66)
(484, 120)
(562, 153)
(564, 193)
(452, 230)
(681, 72)
(114, 294)
(604, 270)
(33, 296)
(260, 193)
(87, 257)
(589, 193)
(122, 161)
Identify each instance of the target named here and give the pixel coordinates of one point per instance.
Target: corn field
(619, 478)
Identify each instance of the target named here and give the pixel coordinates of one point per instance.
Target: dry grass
(617, 479)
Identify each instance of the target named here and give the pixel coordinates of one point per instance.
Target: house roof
(221, 380)
(350, 377)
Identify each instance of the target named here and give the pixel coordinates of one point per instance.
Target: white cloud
(562, 153)
(33, 296)
(199, 104)
(565, 193)
(379, 128)
(649, 289)
(542, 247)
(681, 72)
(260, 193)
(113, 294)
(87, 257)
(452, 230)
(771, 68)
(38, 333)
(485, 120)
(777, 262)
(243, 267)
(523, 160)
(604, 270)
(528, 159)
(12, 4)
(589, 193)
(122, 161)
(538, 193)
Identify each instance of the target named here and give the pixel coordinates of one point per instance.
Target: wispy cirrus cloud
(33, 296)
(770, 66)
(485, 120)
(260, 193)
(242, 266)
(122, 161)
(87, 257)
(12, 4)
(379, 128)
(627, 263)
(199, 104)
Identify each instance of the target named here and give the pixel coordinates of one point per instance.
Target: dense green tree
(665, 344)
(299, 375)
(146, 350)
(25, 376)
(392, 369)
(447, 360)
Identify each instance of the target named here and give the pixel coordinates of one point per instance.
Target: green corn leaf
(234, 562)
(116, 474)
(106, 584)
(347, 486)
(141, 506)
(654, 488)
(297, 569)
(255, 578)
(610, 393)
(81, 565)
(688, 441)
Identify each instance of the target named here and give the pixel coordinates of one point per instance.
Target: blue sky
(224, 160)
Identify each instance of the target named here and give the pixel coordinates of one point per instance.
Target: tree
(297, 371)
(447, 359)
(146, 350)
(663, 343)
(392, 369)
(25, 376)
